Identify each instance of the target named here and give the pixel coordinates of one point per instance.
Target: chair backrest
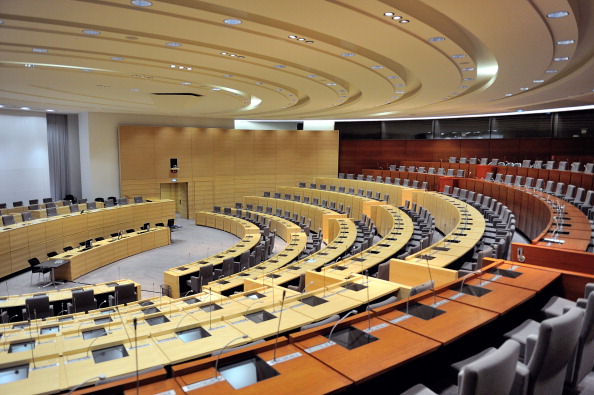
(17, 204)
(547, 365)
(206, 272)
(26, 216)
(51, 212)
(7, 220)
(421, 288)
(450, 173)
(583, 362)
(589, 168)
(84, 300)
(492, 374)
(328, 320)
(74, 208)
(562, 165)
(125, 293)
(38, 307)
(122, 201)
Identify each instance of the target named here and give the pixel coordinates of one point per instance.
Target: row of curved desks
(36, 238)
(395, 337)
(462, 224)
(248, 233)
(535, 215)
(397, 194)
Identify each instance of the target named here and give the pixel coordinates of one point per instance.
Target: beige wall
(222, 165)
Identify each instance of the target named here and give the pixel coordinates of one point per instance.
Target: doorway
(178, 192)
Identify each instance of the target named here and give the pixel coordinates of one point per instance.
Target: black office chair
(171, 223)
(7, 220)
(91, 205)
(131, 230)
(17, 204)
(34, 262)
(123, 294)
(37, 307)
(33, 201)
(52, 254)
(2, 205)
(122, 201)
(67, 248)
(82, 301)
(99, 238)
(51, 212)
(74, 208)
(48, 200)
(100, 199)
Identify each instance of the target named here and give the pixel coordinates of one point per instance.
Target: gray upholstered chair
(492, 374)
(328, 320)
(548, 354)
(123, 294)
(37, 307)
(557, 306)
(82, 301)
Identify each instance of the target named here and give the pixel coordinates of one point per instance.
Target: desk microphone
(339, 321)
(279, 324)
(431, 279)
(136, 345)
(189, 313)
(307, 285)
(250, 306)
(223, 350)
(105, 301)
(100, 378)
(124, 325)
(32, 345)
(368, 309)
(93, 341)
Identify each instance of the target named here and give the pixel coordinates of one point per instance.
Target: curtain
(57, 145)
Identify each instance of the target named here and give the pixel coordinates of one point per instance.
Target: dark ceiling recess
(176, 94)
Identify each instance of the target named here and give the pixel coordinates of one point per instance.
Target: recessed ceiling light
(300, 39)
(240, 57)
(309, 42)
(188, 68)
(91, 32)
(312, 76)
(376, 67)
(459, 56)
(228, 76)
(392, 77)
(173, 44)
(223, 53)
(40, 50)
(347, 54)
(232, 55)
(180, 67)
(1, 105)
(50, 110)
(400, 85)
(280, 66)
(468, 69)
(186, 83)
(524, 89)
(404, 21)
(331, 84)
(172, 66)
(565, 42)
(29, 65)
(463, 87)
(141, 3)
(468, 79)
(232, 21)
(538, 81)
(551, 71)
(279, 89)
(395, 97)
(116, 58)
(86, 70)
(215, 89)
(508, 94)
(399, 92)
(397, 17)
(292, 36)
(561, 59)
(388, 13)
(259, 83)
(25, 108)
(435, 39)
(558, 14)
(135, 89)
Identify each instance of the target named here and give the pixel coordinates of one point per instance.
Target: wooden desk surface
(299, 373)
(529, 278)
(458, 319)
(394, 347)
(501, 299)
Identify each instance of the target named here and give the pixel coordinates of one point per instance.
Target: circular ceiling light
(377, 67)
(232, 21)
(459, 56)
(551, 71)
(561, 59)
(558, 14)
(388, 13)
(186, 83)
(259, 83)
(141, 3)
(173, 44)
(538, 81)
(40, 50)
(312, 76)
(50, 110)
(436, 39)
(392, 77)
(135, 90)
(116, 58)
(292, 36)
(309, 42)
(348, 54)
(404, 21)
(331, 84)
(565, 42)
(468, 79)
(25, 108)
(524, 89)
(92, 32)
(508, 94)
(280, 66)
(396, 17)
(215, 89)
(228, 76)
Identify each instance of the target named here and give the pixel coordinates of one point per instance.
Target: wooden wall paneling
(285, 158)
(137, 152)
(367, 155)
(576, 179)
(264, 161)
(522, 171)
(173, 142)
(432, 150)
(326, 153)
(392, 152)
(5, 265)
(535, 149)
(204, 198)
(19, 259)
(244, 160)
(305, 154)
(505, 149)
(347, 153)
(554, 175)
(474, 148)
(148, 189)
(565, 177)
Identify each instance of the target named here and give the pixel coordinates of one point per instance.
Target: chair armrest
(581, 302)
(530, 344)
(520, 385)
(110, 300)
(69, 308)
(25, 315)
(51, 309)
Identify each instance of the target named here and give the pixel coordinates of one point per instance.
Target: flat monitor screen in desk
(14, 373)
(110, 353)
(247, 372)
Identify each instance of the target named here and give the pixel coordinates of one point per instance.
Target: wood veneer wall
(356, 155)
(222, 165)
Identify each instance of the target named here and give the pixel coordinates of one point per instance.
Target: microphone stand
(339, 321)
(223, 350)
(279, 324)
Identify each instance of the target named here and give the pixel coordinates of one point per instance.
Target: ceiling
(296, 60)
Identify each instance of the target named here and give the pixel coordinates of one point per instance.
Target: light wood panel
(222, 165)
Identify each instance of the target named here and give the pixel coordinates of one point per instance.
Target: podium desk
(394, 346)
(457, 318)
(501, 298)
(524, 277)
(297, 372)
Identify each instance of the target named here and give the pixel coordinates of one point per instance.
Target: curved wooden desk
(33, 239)
(397, 194)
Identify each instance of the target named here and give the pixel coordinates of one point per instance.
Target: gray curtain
(57, 146)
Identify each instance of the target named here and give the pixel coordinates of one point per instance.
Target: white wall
(100, 172)
(24, 164)
(256, 125)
